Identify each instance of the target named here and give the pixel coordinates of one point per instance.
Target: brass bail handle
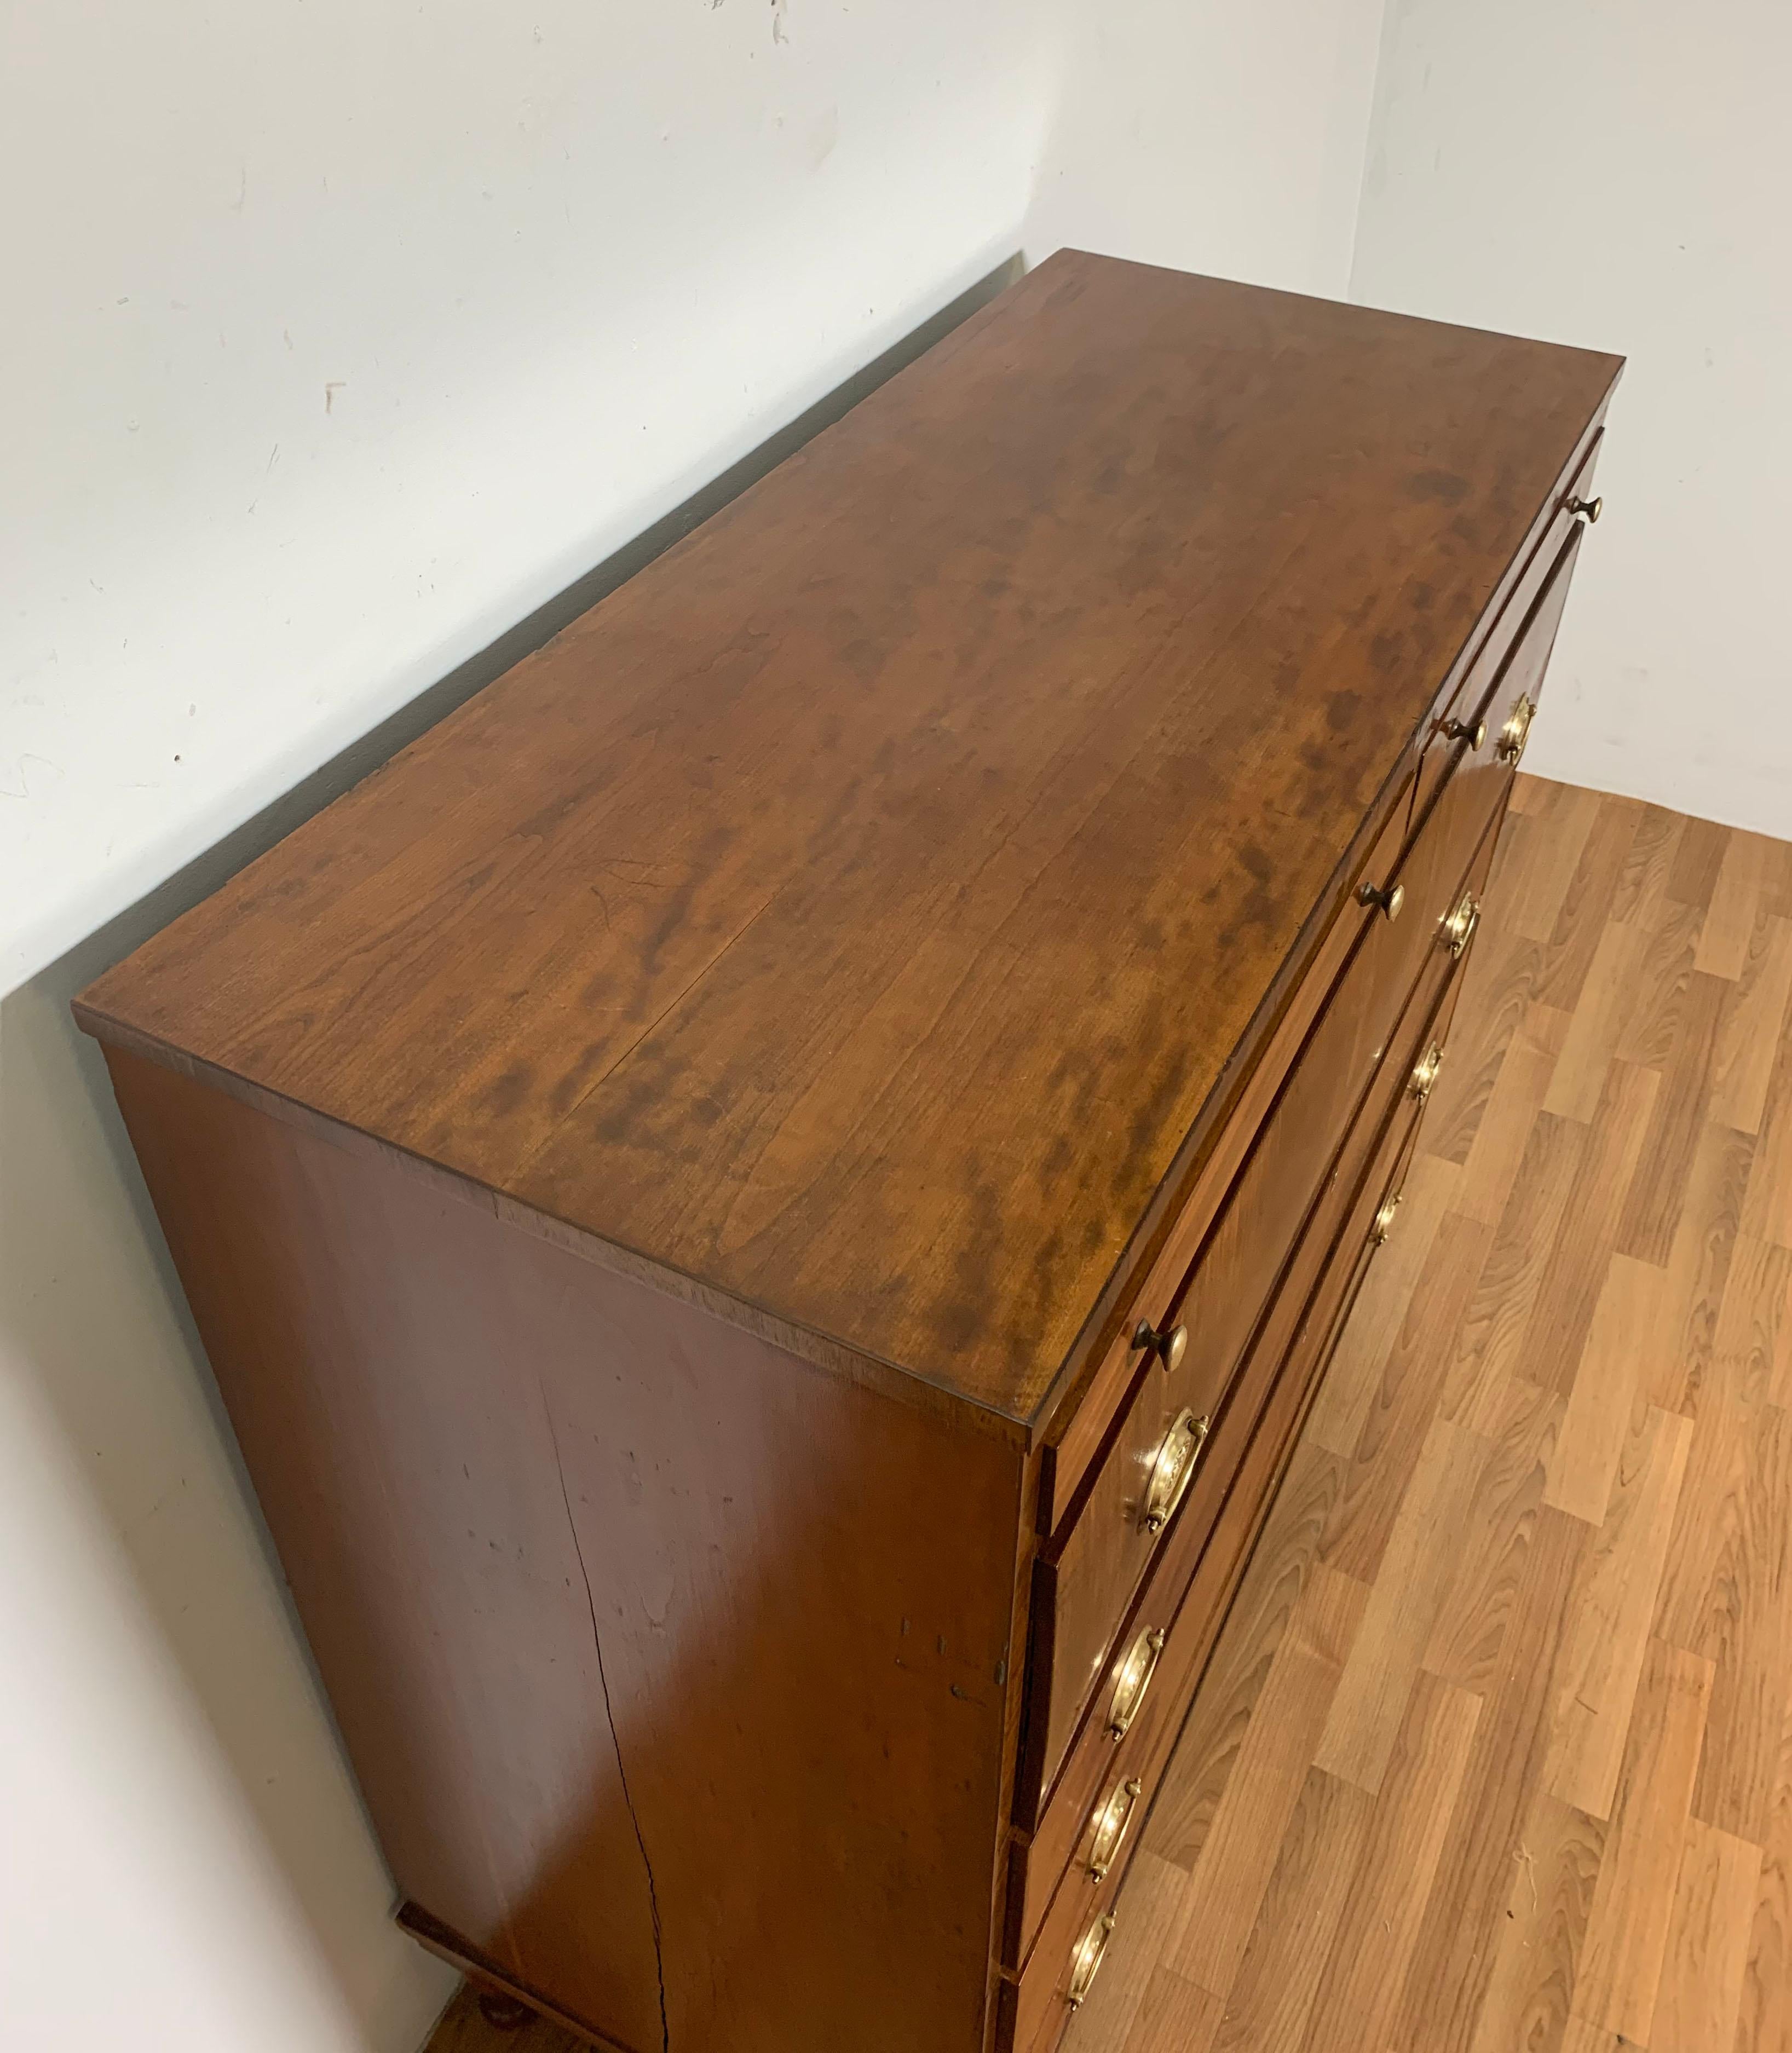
(1174, 1469)
(1516, 731)
(1108, 1825)
(1086, 1961)
(1133, 1678)
(1456, 929)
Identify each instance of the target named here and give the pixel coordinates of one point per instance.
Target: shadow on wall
(211, 1687)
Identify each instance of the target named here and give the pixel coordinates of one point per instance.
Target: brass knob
(1133, 1678)
(1425, 1075)
(1170, 1347)
(1456, 929)
(1173, 1470)
(1384, 1220)
(1390, 897)
(1459, 730)
(1086, 1961)
(1516, 731)
(1588, 510)
(1108, 1823)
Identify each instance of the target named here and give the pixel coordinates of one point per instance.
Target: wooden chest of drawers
(766, 1201)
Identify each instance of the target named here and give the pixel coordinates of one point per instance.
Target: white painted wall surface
(183, 1862)
(338, 337)
(1227, 138)
(1620, 177)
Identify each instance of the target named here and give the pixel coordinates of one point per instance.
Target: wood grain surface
(675, 1671)
(1530, 1789)
(850, 918)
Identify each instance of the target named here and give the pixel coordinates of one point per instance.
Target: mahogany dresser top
(851, 915)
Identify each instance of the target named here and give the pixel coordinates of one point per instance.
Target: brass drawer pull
(1588, 510)
(1425, 1074)
(1174, 1469)
(1390, 897)
(1170, 1347)
(1133, 1679)
(1384, 1220)
(1456, 929)
(1110, 1820)
(1086, 1961)
(1459, 730)
(1516, 731)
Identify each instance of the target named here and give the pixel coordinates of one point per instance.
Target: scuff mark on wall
(780, 27)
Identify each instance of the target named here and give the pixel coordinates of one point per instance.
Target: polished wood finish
(1329, 1268)
(623, 1615)
(855, 912)
(1087, 1573)
(1300, 1350)
(1495, 1750)
(681, 1176)
(1496, 675)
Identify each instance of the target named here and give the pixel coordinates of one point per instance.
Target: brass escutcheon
(1086, 1961)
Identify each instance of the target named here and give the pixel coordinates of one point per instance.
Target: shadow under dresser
(767, 1199)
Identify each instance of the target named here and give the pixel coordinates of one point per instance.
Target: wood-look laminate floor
(1494, 1755)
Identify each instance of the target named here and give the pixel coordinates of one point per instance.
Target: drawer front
(1070, 1452)
(1091, 1567)
(1035, 2008)
(1509, 664)
(1097, 1763)
(1476, 775)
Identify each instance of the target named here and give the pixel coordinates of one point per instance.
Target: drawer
(1474, 773)
(1072, 1445)
(1094, 1760)
(1035, 2007)
(1509, 664)
(1089, 1569)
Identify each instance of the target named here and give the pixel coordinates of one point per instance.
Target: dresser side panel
(673, 1669)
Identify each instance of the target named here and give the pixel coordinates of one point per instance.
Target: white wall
(1225, 138)
(182, 1861)
(1620, 177)
(337, 338)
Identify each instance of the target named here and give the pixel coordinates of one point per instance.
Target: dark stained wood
(1302, 1151)
(854, 911)
(668, 1173)
(1078, 1432)
(646, 1641)
(1495, 677)
(1308, 1340)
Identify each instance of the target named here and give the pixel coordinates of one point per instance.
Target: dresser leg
(504, 2012)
